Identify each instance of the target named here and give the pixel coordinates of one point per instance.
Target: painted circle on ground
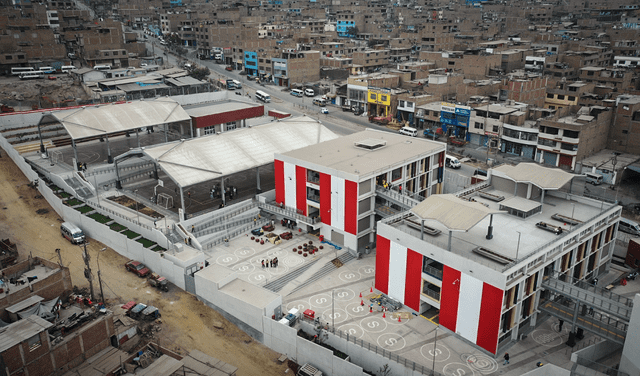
(373, 324)
(278, 271)
(244, 267)
(258, 277)
(88, 157)
(244, 252)
(356, 310)
(349, 276)
(293, 261)
(353, 330)
(457, 369)
(391, 341)
(344, 294)
(320, 300)
(481, 363)
(274, 253)
(226, 259)
(546, 337)
(366, 270)
(300, 305)
(389, 319)
(556, 328)
(441, 352)
(339, 313)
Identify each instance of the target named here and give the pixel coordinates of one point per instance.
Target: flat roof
(201, 159)
(249, 293)
(341, 153)
(520, 203)
(163, 366)
(543, 177)
(215, 273)
(454, 213)
(206, 109)
(21, 330)
(28, 302)
(93, 121)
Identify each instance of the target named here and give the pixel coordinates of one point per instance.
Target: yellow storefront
(379, 102)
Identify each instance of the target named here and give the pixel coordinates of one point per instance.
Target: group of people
(270, 263)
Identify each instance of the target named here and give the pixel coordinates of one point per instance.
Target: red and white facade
(468, 306)
(345, 200)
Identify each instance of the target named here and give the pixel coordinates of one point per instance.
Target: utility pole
(99, 276)
(87, 270)
(59, 256)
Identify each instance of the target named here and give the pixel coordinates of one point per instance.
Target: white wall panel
(337, 202)
(397, 271)
(290, 185)
(469, 307)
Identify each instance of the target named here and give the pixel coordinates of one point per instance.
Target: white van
(67, 68)
(319, 102)
(72, 233)
(31, 75)
(309, 92)
(262, 96)
(102, 67)
(594, 179)
(452, 162)
(238, 84)
(408, 131)
(630, 227)
(48, 70)
(297, 92)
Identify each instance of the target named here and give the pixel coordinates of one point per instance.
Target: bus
(261, 95)
(297, 92)
(19, 70)
(237, 84)
(102, 67)
(231, 85)
(67, 68)
(30, 75)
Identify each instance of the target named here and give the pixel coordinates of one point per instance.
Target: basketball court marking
(546, 337)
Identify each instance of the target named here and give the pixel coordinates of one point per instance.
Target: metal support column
(222, 191)
(138, 137)
(41, 142)
(542, 197)
(184, 209)
(191, 127)
(166, 132)
(449, 246)
(572, 335)
(75, 154)
(109, 157)
(118, 184)
(490, 230)
(422, 229)
(258, 190)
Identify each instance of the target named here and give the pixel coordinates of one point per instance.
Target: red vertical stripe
(413, 280)
(301, 189)
(383, 247)
(325, 198)
(441, 159)
(351, 207)
(449, 296)
(489, 323)
(278, 167)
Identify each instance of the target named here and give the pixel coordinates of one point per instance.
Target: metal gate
(565, 161)
(527, 151)
(189, 279)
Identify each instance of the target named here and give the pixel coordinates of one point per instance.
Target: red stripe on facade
(351, 207)
(278, 167)
(441, 159)
(383, 248)
(413, 280)
(325, 198)
(301, 189)
(489, 323)
(449, 296)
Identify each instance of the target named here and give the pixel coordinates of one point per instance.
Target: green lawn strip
(157, 248)
(84, 209)
(100, 218)
(145, 242)
(73, 202)
(130, 234)
(63, 194)
(117, 227)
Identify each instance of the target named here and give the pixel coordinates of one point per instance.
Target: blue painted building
(343, 27)
(251, 63)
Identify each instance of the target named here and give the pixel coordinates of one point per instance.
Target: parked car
(429, 133)
(138, 268)
(158, 281)
(229, 68)
(324, 110)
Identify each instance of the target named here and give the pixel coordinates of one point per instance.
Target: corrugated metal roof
(28, 302)
(543, 177)
(99, 121)
(163, 366)
(197, 160)
(21, 330)
(454, 213)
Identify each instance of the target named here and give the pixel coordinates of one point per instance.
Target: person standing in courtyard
(506, 359)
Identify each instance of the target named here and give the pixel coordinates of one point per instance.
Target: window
(571, 99)
(478, 125)
(209, 130)
(9, 57)
(550, 96)
(560, 97)
(401, 104)
(495, 129)
(34, 342)
(590, 73)
(396, 174)
(372, 97)
(624, 131)
(231, 125)
(383, 98)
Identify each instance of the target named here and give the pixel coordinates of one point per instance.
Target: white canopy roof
(197, 160)
(543, 177)
(101, 120)
(454, 213)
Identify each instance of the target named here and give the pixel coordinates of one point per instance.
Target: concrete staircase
(78, 187)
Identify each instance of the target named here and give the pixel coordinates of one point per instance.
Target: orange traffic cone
(384, 315)
(370, 309)
(360, 295)
(399, 319)
(361, 302)
(371, 290)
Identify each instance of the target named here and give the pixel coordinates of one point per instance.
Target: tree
(352, 31)
(199, 73)
(384, 370)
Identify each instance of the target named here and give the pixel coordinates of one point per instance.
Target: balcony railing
(432, 294)
(437, 273)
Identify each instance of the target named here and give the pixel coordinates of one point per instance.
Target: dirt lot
(187, 323)
(46, 92)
